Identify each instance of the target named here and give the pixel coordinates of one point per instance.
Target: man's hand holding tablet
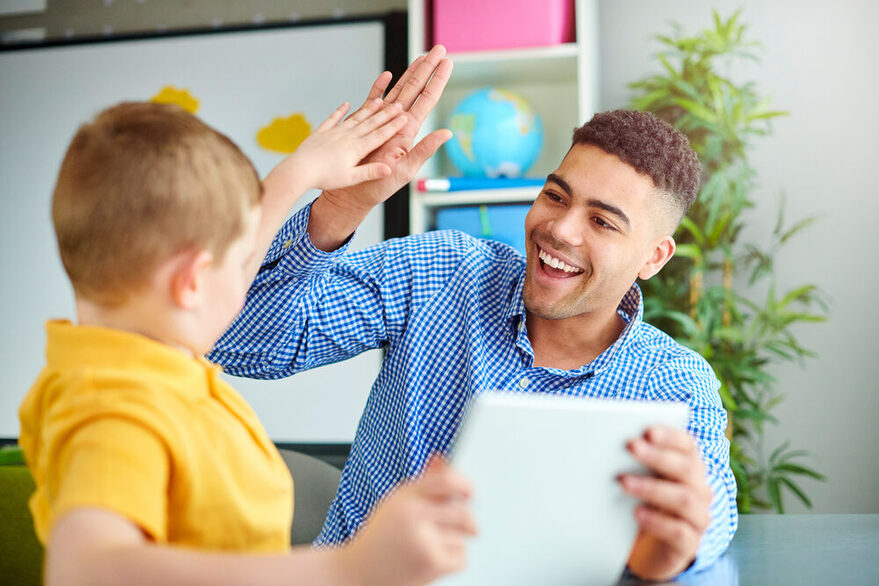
(676, 502)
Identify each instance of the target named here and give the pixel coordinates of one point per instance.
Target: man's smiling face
(596, 226)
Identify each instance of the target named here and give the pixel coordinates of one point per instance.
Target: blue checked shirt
(448, 310)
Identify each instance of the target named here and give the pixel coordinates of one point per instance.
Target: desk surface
(796, 549)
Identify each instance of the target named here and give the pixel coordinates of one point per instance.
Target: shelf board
(477, 197)
(556, 63)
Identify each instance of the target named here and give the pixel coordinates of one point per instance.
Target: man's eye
(602, 224)
(553, 196)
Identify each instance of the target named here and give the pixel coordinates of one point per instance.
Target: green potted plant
(707, 297)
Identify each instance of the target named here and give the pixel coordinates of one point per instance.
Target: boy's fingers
(432, 92)
(379, 118)
(367, 110)
(456, 515)
(381, 135)
(441, 481)
(454, 555)
(334, 118)
(368, 172)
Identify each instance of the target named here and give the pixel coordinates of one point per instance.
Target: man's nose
(568, 228)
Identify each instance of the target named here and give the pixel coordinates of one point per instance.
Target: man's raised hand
(338, 212)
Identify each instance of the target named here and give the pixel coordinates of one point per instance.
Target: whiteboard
(242, 79)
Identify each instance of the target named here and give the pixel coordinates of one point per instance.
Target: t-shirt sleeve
(114, 464)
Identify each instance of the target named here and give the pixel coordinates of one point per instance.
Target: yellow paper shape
(173, 95)
(284, 135)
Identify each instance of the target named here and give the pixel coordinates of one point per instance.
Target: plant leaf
(798, 492)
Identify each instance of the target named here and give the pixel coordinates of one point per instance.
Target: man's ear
(187, 283)
(663, 250)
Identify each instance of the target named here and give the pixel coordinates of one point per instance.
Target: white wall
(821, 63)
(243, 80)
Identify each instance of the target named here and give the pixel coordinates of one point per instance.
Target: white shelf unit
(559, 81)
(421, 215)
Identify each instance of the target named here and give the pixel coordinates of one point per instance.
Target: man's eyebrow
(561, 182)
(596, 203)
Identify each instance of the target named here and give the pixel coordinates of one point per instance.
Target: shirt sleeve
(114, 464)
(307, 308)
(691, 379)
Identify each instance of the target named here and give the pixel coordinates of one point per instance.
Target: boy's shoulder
(99, 372)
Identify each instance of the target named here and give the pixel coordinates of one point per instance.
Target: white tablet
(545, 495)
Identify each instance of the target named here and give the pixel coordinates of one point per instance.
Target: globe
(495, 133)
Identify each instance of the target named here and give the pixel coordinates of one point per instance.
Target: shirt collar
(70, 346)
(630, 309)
(516, 305)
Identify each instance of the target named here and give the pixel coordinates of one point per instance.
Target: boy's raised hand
(417, 533)
(417, 91)
(332, 156)
(338, 212)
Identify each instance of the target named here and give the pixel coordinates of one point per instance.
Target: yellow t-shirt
(121, 422)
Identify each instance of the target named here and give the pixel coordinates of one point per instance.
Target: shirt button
(521, 325)
(287, 244)
(524, 382)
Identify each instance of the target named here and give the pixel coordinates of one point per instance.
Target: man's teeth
(558, 264)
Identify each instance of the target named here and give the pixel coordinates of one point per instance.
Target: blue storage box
(502, 222)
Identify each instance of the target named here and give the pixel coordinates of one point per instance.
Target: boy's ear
(663, 250)
(187, 283)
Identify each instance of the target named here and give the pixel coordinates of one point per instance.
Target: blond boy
(149, 468)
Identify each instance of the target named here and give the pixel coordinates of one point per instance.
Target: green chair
(21, 562)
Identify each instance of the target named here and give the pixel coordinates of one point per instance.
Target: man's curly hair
(652, 147)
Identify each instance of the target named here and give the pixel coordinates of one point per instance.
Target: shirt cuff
(293, 252)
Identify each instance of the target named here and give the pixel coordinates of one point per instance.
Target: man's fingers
(432, 92)
(334, 118)
(676, 533)
(660, 435)
(407, 90)
(395, 91)
(379, 86)
(671, 463)
(678, 500)
(376, 91)
(426, 148)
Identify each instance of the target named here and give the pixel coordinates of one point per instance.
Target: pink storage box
(479, 25)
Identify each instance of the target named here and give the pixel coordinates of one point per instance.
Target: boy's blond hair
(140, 183)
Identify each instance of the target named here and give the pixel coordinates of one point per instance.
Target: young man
(149, 468)
(459, 315)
